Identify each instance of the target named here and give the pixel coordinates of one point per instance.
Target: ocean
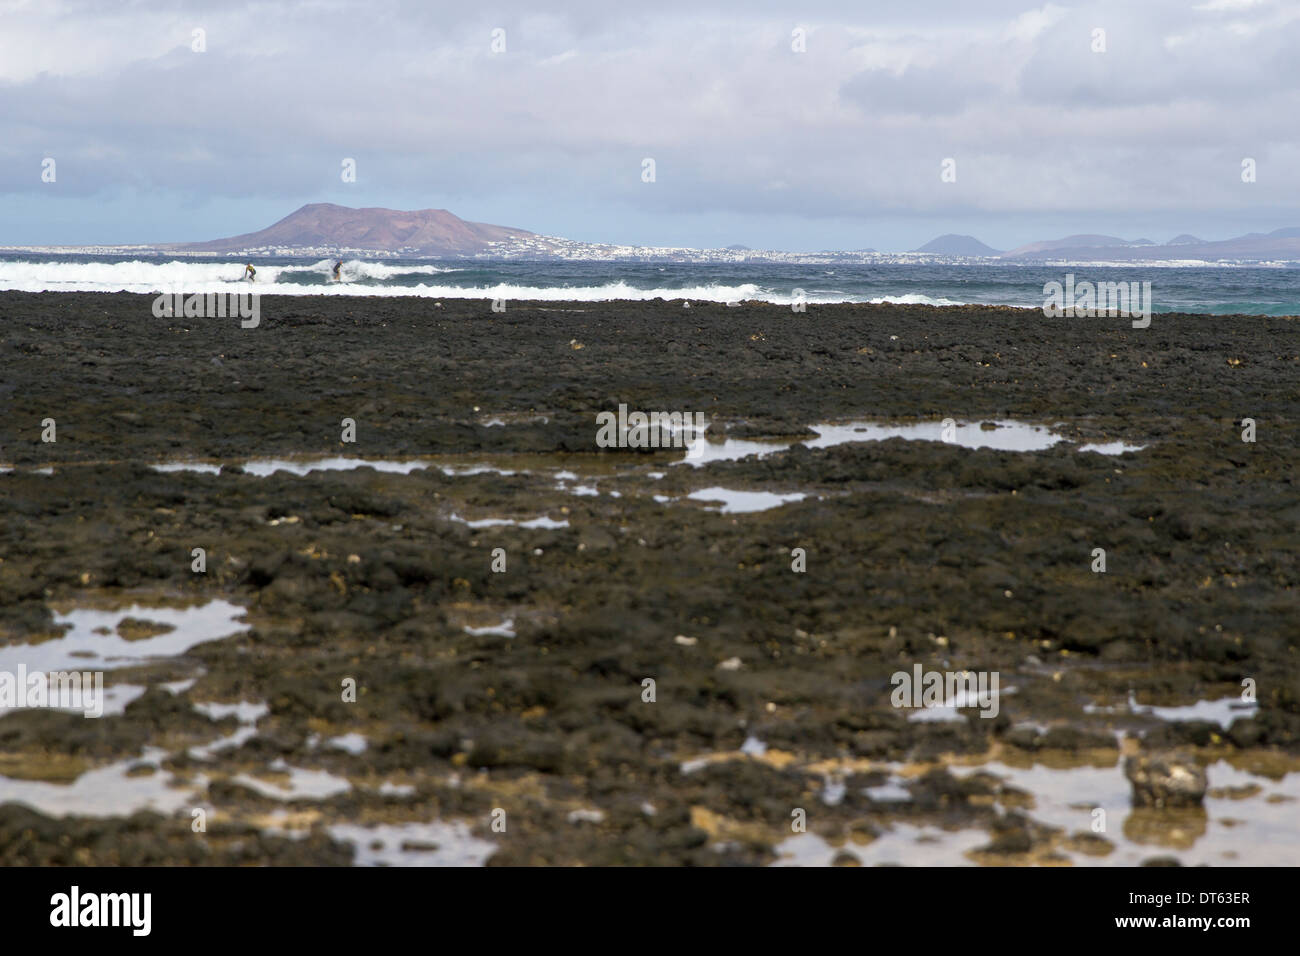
(1220, 290)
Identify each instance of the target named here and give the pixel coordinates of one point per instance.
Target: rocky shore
(498, 589)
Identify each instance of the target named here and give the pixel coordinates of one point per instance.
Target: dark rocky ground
(916, 552)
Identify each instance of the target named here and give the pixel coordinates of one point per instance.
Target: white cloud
(1217, 6)
(738, 123)
(1030, 24)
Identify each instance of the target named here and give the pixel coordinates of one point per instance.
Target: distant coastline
(325, 229)
(567, 250)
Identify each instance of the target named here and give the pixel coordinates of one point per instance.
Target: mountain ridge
(1281, 244)
(422, 231)
(952, 244)
(440, 233)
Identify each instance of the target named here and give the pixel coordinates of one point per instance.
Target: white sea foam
(911, 298)
(190, 277)
(360, 278)
(353, 269)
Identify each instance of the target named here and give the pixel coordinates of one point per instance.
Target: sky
(801, 125)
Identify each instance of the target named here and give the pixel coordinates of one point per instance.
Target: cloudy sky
(839, 146)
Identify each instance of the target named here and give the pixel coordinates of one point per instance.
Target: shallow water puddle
(451, 465)
(269, 466)
(1110, 447)
(1222, 712)
(951, 708)
(117, 697)
(1002, 435)
(1245, 817)
(95, 641)
(940, 713)
(752, 748)
(902, 845)
(113, 702)
(264, 467)
(453, 471)
(1007, 436)
(295, 783)
(248, 714)
(128, 786)
(118, 789)
(352, 743)
(542, 522)
(1254, 827)
(743, 502)
(730, 449)
(505, 629)
(515, 418)
(891, 791)
(414, 844)
(196, 467)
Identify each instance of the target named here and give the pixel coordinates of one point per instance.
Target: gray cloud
(741, 127)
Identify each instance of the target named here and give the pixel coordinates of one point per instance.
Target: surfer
(250, 273)
(337, 266)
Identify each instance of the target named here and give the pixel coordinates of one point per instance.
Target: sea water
(1254, 290)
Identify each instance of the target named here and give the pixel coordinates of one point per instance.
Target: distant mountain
(1069, 242)
(955, 245)
(430, 232)
(322, 228)
(1281, 244)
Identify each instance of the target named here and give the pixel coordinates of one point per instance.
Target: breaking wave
(912, 298)
(1257, 291)
(152, 277)
(357, 278)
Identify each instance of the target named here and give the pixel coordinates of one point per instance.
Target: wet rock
(1181, 733)
(1165, 780)
(134, 629)
(1026, 738)
(1014, 834)
(920, 537)
(1245, 732)
(1090, 844)
(1173, 829)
